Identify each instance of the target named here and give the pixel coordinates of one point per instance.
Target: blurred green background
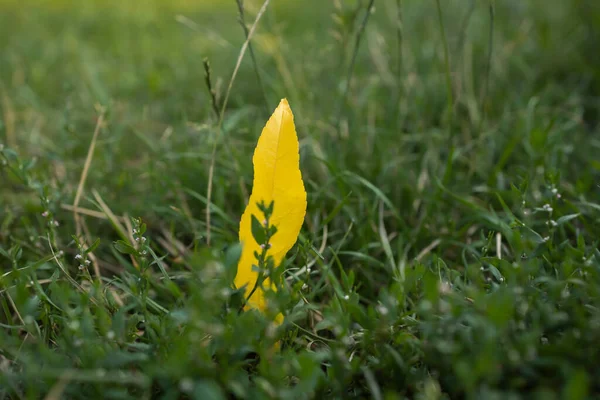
(143, 61)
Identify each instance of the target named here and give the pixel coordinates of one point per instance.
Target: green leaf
(270, 208)
(232, 257)
(4, 253)
(93, 247)
(124, 247)
(258, 230)
(16, 252)
(578, 386)
(272, 230)
(566, 218)
(208, 390)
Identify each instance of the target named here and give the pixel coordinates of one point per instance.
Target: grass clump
(449, 153)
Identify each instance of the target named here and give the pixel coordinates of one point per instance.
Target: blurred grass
(449, 250)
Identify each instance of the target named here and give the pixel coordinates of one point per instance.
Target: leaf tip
(284, 104)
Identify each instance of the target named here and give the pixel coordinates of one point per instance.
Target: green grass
(450, 247)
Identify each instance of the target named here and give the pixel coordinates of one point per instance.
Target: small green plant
(262, 232)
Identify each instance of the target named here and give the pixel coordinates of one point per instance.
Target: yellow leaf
(277, 178)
